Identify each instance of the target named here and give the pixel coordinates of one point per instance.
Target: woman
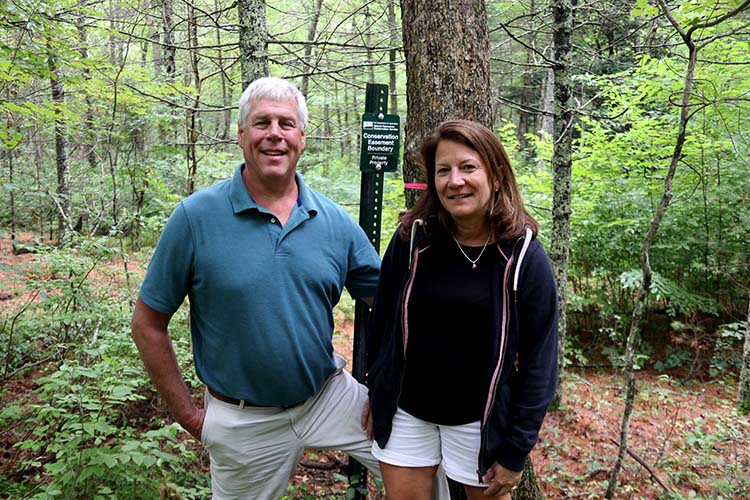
(462, 350)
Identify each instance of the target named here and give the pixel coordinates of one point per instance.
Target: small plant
(727, 354)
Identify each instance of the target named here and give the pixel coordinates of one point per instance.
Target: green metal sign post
(380, 150)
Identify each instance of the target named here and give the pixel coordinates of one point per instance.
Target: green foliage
(618, 172)
(704, 444)
(677, 300)
(675, 357)
(727, 353)
(86, 432)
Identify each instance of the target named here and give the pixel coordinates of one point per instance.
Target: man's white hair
(276, 89)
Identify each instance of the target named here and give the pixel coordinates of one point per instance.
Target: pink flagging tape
(415, 185)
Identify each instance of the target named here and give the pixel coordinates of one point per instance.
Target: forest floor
(685, 438)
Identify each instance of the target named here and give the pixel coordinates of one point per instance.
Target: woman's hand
(501, 480)
(367, 420)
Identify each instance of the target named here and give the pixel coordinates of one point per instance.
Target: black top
(449, 356)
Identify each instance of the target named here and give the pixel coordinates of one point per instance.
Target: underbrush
(686, 440)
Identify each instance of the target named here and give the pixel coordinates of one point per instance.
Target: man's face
(271, 139)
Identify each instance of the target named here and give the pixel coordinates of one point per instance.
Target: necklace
(473, 261)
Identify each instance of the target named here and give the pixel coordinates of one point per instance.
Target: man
(263, 260)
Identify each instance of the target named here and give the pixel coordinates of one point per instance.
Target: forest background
(112, 111)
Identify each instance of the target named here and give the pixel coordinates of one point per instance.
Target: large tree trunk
(253, 40)
(561, 166)
(447, 71)
(448, 76)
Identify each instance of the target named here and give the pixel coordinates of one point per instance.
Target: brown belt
(242, 403)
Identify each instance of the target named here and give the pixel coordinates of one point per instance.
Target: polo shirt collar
(242, 201)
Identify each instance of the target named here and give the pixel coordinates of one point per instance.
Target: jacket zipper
(404, 321)
(496, 378)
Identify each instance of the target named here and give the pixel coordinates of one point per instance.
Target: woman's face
(462, 180)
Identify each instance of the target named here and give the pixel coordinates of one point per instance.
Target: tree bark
(225, 93)
(253, 40)
(743, 393)
(62, 161)
(312, 33)
(368, 44)
(89, 139)
(526, 119)
(446, 44)
(192, 113)
(548, 104)
(392, 57)
(12, 197)
(154, 35)
(561, 167)
(170, 49)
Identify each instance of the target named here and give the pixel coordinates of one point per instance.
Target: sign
(381, 136)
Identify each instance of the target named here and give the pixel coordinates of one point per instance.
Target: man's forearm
(158, 356)
(161, 365)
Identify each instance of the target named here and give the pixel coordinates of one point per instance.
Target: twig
(336, 464)
(646, 466)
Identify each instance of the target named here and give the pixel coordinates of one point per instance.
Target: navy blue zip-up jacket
(525, 312)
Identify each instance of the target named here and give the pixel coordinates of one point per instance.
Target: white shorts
(416, 443)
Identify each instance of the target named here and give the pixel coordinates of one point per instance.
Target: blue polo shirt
(261, 295)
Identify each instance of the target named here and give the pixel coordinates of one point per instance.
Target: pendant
(473, 267)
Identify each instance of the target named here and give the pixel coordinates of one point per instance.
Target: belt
(243, 403)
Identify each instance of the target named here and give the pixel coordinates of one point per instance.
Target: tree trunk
(548, 104)
(368, 44)
(525, 118)
(743, 393)
(392, 56)
(225, 93)
(12, 196)
(192, 113)
(561, 167)
(169, 47)
(447, 51)
(62, 198)
(115, 42)
(312, 33)
(253, 40)
(89, 139)
(154, 34)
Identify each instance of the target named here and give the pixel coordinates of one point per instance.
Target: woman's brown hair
(508, 216)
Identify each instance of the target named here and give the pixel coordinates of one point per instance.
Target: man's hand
(501, 480)
(367, 420)
(194, 423)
